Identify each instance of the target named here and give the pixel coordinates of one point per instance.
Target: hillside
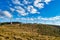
(19, 31)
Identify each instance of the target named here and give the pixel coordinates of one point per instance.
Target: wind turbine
(0, 21)
(8, 15)
(32, 19)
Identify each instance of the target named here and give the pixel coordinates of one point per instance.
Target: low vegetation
(19, 31)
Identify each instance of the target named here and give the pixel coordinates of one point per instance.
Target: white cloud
(12, 9)
(38, 4)
(47, 1)
(30, 19)
(19, 8)
(7, 14)
(37, 1)
(26, 2)
(52, 20)
(22, 12)
(55, 18)
(22, 18)
(17, 2)
(1, 17)
(32, 10)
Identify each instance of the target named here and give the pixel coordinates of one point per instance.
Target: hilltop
(21, 31)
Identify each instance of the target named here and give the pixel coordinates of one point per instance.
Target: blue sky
(30, 11)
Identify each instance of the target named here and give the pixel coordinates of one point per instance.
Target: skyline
(36, 11)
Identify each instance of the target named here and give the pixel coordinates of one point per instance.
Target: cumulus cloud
(20, 10)
(26, 2)
(7, 14)
(27, 19)
(1, 14)
(4, 14)
(47, 1)
(1, 17)
(31, 9)
(12, 9)
(16, 5)
(16, 1)
(38, 4)
(52, 20)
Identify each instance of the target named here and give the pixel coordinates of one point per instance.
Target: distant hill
(20, 31)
